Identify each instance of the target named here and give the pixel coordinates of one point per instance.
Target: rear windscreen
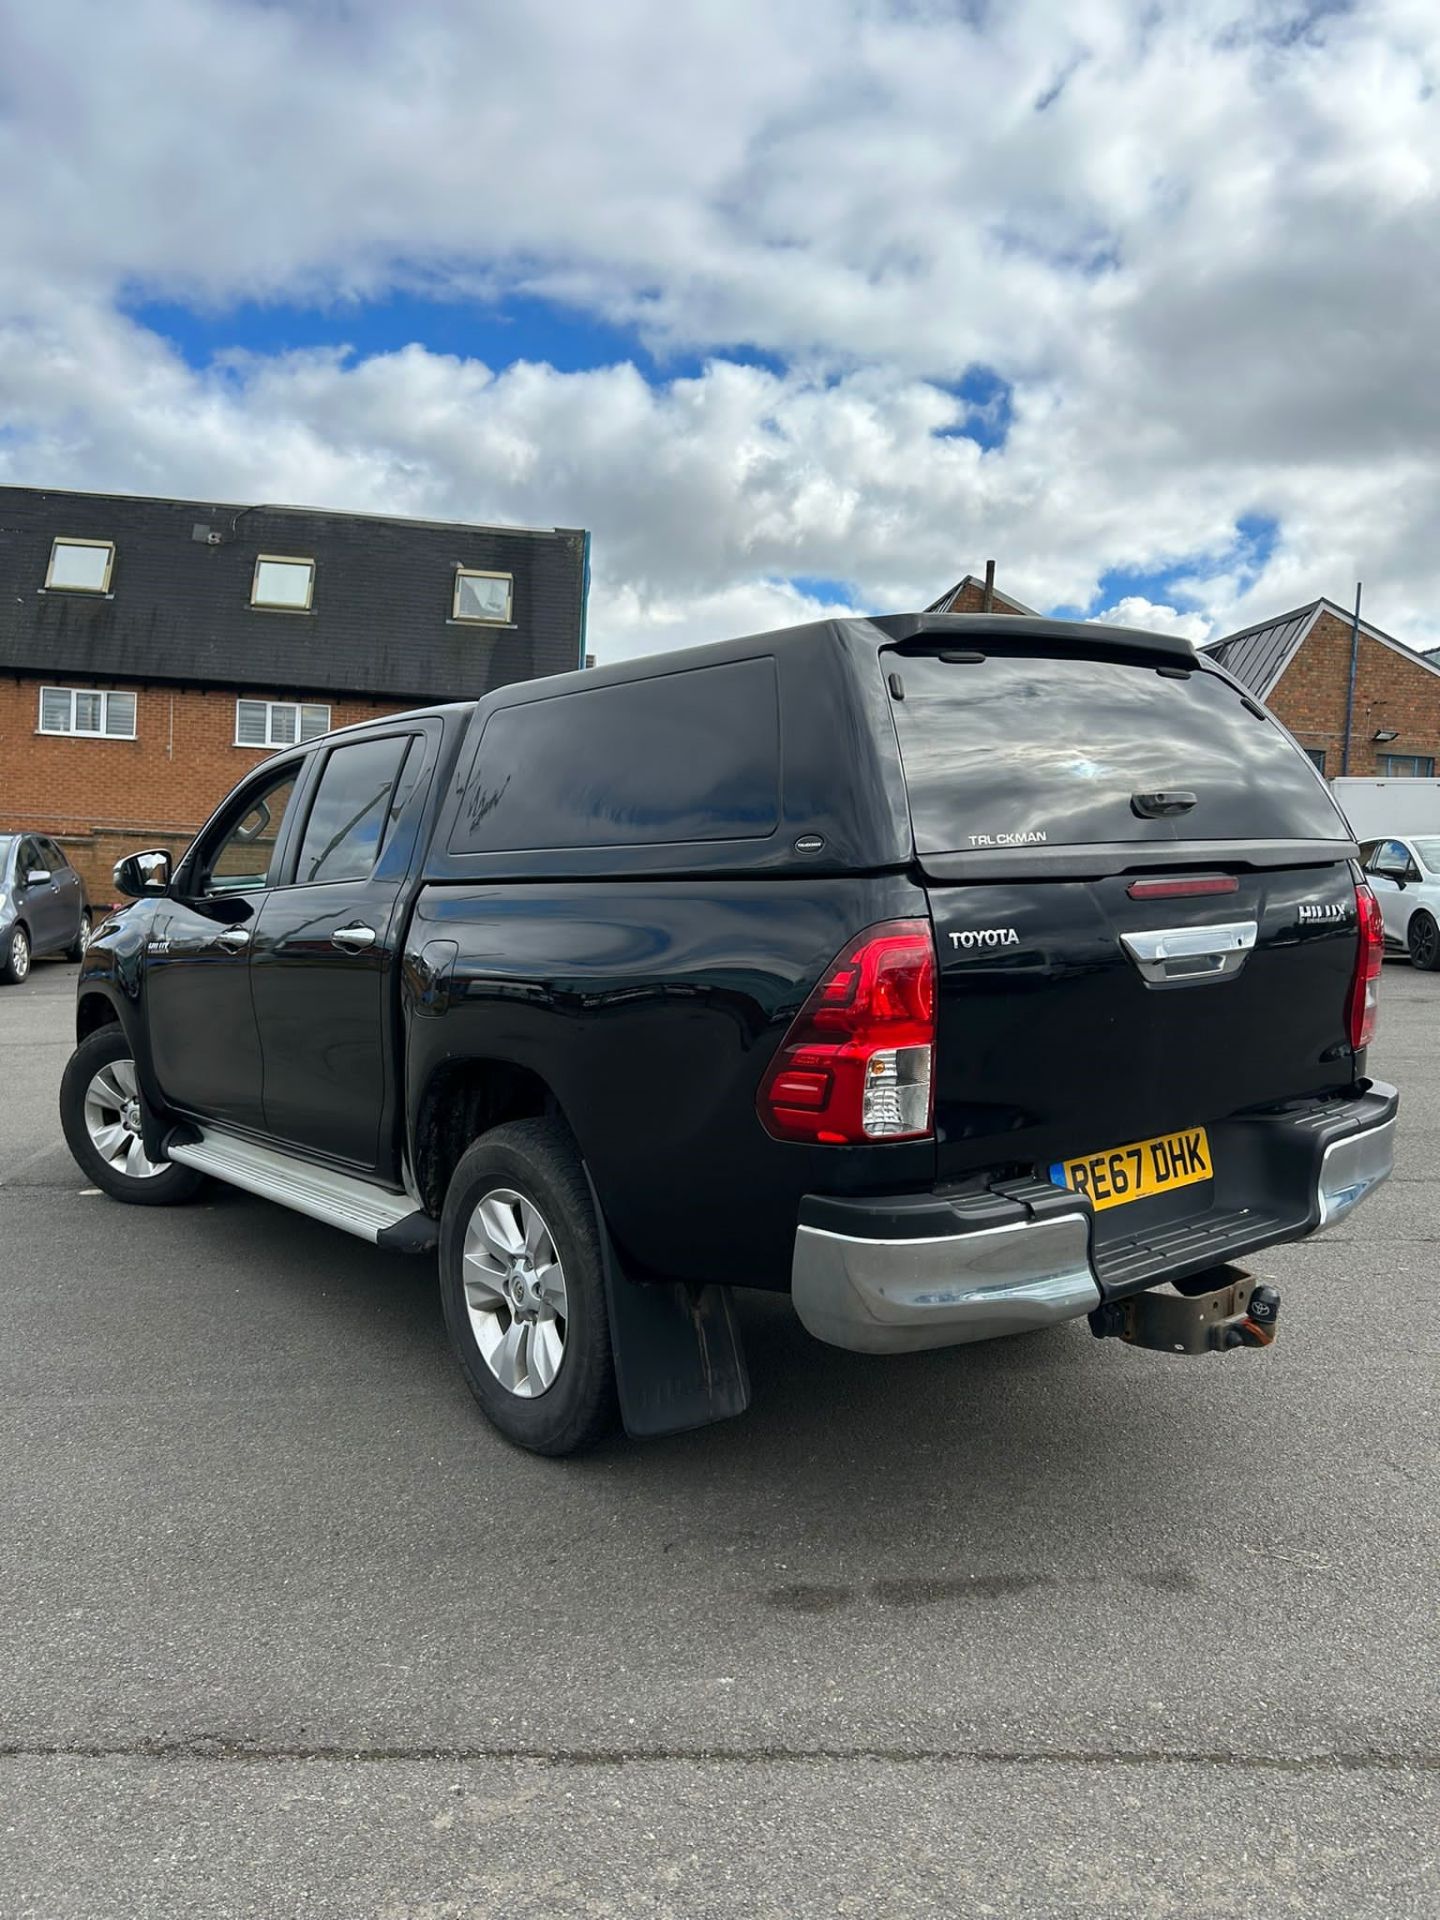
(1016, 749)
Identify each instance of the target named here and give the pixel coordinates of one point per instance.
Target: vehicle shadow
(980, 1463)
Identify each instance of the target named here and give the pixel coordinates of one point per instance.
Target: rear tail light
(1365, 987)
(858, 1061)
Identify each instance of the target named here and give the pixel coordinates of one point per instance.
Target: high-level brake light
(858, 1061)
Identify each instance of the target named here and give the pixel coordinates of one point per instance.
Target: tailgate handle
(1160, 806)
(1184, 956)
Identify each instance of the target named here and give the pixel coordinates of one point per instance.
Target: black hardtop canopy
(857, 639)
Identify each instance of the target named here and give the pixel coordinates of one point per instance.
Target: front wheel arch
(93, 1011)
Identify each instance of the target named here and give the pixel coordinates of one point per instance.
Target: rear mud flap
(679, 1361)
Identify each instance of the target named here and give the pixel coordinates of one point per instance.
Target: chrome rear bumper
(910, 1272)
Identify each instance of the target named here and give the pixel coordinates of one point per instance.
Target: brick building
(977, 596)
(152, 651)
(1299, 665)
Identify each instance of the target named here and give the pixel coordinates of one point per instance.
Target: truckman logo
(1031, 837)
(1331, 910)
(986, 937)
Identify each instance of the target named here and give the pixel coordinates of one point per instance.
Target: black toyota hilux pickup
(958, 975)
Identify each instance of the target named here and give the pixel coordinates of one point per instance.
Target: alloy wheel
(19, 954)
(515, 1292)
(1424, 940)
(112, 1120)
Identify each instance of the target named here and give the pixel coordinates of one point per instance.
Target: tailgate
(1058, 1038)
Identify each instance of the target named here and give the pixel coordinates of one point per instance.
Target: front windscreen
(1008, 748)
(1428, 850)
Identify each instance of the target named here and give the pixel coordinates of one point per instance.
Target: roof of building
(177, 606)
(1258, 655)
(947, 600)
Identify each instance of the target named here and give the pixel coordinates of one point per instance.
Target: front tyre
(523, 1288)
(100, 1117)
(1423, 940)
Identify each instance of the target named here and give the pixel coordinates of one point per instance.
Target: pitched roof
(946, 602)
(1258, 655)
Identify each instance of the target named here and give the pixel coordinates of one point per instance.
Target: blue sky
(901, 290)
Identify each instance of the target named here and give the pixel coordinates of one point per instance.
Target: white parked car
(1405, 874)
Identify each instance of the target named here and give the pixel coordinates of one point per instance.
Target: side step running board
(339, 1199)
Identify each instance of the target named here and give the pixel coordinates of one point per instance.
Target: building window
(278, 723)
(81, 566)
(486, 597)
(1406, 766)
(1316, 756)
(283, 583)
(105, 716)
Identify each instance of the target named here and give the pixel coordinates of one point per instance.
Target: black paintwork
(639, 987)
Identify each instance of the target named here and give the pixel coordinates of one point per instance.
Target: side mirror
(37, 876)
(144, 876)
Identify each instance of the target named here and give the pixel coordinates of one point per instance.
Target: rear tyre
(1423, 940)
(100, 1117)
(76, 949)
(523, 1288)
(15, 957)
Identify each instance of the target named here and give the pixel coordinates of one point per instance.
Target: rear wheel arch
(464, 1099)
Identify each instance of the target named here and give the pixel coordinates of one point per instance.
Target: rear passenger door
(322, 964)
(68, 888)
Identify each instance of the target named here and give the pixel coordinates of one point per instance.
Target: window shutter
(313, 722)
(55, 709)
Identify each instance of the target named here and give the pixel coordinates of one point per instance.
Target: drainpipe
(987, 604)
(1350, 696)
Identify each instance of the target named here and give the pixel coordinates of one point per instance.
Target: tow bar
(1195, 1315)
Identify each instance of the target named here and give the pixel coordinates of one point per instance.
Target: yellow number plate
(1123, 1174)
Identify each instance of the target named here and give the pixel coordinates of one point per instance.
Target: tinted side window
(239, 860)
(351, 811)
(54, 858)
(681, 757)
(1014, 749)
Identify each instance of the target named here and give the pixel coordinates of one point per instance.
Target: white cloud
(1205, 265)
(1152, 617)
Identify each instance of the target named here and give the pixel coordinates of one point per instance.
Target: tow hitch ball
(1208, 1313)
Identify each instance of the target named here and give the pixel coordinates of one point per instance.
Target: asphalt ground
(1048, 1627)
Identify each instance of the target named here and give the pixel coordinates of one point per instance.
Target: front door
(1390, 871)
(42, 902)
(204, 1044)
(323, 956)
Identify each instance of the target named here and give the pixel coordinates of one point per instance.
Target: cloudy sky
(794, 303)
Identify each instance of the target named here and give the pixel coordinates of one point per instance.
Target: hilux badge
(1333, 910)
(986, 937)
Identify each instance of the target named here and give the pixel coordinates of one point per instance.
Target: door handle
(353, 939)
(234, 939)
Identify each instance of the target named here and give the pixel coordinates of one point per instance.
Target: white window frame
(79, 540)
(483, 619)
(270, 744)
(282, 560)
(106, 731)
